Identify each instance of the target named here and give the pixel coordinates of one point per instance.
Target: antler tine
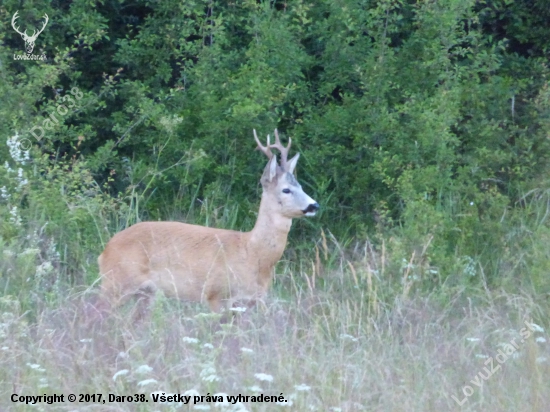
(265, 149)
(44, 25)
(13, 21)
(284, 150)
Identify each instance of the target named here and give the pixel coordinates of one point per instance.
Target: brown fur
(204, 264)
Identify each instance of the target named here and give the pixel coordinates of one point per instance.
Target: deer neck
(268, 238)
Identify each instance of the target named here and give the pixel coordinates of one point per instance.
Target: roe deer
(203, 264)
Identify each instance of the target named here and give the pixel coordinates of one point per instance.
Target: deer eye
(286, 190)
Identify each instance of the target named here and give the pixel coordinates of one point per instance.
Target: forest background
(423, 128)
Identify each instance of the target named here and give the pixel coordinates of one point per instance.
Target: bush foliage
(422, 125)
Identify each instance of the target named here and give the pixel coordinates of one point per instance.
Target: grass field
(422, 129)
(339, 347)
(347, 326)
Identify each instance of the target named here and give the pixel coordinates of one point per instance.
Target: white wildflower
(187, 339)
(44, 269)
(255, 388)
(263, 377)
(15, 218)
(86, 340)
(238, 309)
(143, 369)
(21, 181)
(4, 193)
(469, 266)
(302, 387)
(120, 373)
(208, 374)
(210, 378)
(535, 327)
(345, 336)
(236, 407)
(208, 346)
(246, 350)
(51, 252)
(209, 315)
(540, 339)
(146, 382)
(16, 152)
(473, 339)
(542, 359)
(225, 399)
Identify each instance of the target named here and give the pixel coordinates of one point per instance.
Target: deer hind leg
(145, 297)
(107, 299)
(215, 302)
(123, 283)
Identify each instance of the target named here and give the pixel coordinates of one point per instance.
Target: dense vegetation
(424, 129)
(416, 121)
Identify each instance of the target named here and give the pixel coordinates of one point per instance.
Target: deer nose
(314, 207)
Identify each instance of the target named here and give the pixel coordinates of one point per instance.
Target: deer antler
(264, 149)
(284, 150)
(277, 145)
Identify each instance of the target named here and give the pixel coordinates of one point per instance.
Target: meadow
(422, 283)
(326, 339)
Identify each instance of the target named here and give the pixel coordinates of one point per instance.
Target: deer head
(29, 40)
(278, 181)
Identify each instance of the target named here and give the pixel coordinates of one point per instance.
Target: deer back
(205, 264)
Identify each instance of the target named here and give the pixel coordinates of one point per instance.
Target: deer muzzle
(311, 209)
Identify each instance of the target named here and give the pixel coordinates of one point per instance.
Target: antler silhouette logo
(29, 40)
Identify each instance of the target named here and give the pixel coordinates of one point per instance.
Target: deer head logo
(29, 40)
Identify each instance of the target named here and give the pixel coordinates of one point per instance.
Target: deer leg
(215, 302)
(145, 298)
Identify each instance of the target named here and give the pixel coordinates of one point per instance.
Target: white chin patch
(309, 214)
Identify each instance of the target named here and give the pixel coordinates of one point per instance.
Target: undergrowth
(390, 322)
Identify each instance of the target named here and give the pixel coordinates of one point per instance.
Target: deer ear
(270, 170)
(292, 163)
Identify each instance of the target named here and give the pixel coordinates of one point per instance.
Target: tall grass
(336, 345)
(349, 325)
